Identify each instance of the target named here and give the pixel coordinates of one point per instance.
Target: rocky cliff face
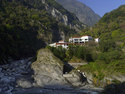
(83, 12)
(62, 15)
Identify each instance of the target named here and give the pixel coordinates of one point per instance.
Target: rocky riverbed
(20, 69)
(10, 73)
(45, 77)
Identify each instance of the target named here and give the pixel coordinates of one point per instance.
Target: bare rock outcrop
(48, 70)
(75, 78)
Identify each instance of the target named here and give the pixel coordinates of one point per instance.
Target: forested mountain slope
(27, 25)
(111, 27)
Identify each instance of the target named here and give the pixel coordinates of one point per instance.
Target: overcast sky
(103, 6)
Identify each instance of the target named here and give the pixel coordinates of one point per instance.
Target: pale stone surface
(75, 78)
(48, 70)
(119, 77)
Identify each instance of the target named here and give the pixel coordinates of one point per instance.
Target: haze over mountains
(84, 13)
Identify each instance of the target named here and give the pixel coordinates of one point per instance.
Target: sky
(103, 6)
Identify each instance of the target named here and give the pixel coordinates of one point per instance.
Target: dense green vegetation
(111, 56)
(26, 26)
(84, 53)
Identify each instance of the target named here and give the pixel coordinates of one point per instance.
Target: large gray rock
(119, 77)
(75, 78)
(48, 70)
(89, 77)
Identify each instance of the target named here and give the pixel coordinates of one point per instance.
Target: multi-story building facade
(75, 41)
(82, 39)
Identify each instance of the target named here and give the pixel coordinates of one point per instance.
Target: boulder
(75, 78)
(48, 69)
(89, 77)
(119, 77)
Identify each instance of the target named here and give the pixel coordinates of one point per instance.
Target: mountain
(112, 27)
(112, 24)
(83, 12)
(27, 25)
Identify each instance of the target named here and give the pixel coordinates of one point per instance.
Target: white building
(75, 40)
(85, 39)
(61, 43)
(82, 39)
(52, 45)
